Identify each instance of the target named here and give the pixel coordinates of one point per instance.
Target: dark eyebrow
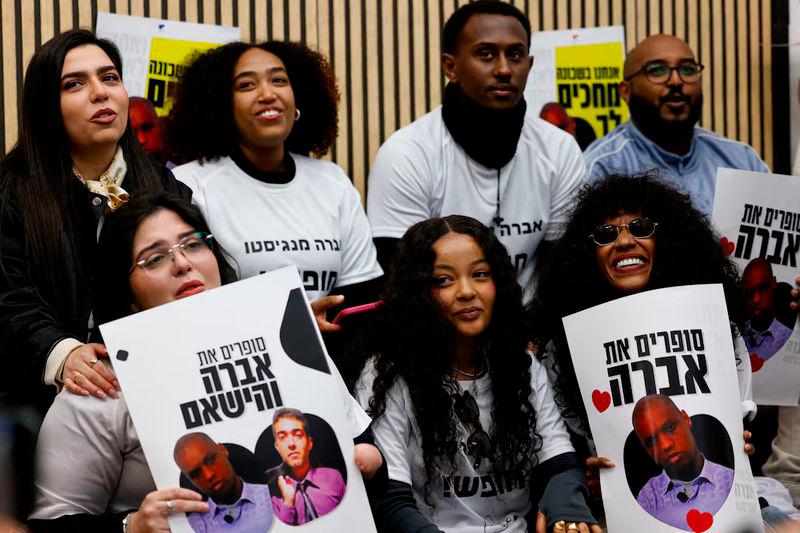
(448, 267)
(253, 73)
(161, 243)
(80, 73)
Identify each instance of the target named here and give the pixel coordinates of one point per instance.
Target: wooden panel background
(386, 52)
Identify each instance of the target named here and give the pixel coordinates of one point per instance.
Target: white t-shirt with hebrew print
(421, 172)
(315, 221)
(472, 500)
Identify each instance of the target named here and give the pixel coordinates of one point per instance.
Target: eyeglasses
(193, 247)
(479, 444)
(639, 228)
(660, 72)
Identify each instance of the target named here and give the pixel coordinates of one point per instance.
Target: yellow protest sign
(168, 59)
(587, 80)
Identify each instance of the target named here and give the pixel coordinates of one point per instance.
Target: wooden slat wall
(386, 52)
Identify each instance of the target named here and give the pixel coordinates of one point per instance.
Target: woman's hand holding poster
(758, 218)
(658, 376)
(233, 396)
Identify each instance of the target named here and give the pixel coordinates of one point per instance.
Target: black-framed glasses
(639, 228)
(479, 444)
(193, 246)
(660, 72)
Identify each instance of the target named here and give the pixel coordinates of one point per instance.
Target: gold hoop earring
(296, 114)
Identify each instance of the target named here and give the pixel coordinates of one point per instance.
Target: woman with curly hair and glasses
(456, 398)
(250, 116)
(627, 235)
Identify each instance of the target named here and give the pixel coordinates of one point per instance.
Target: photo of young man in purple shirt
(305, 492)
(688, 479)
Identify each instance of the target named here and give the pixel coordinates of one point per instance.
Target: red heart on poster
(756, 362)
(727, 246)
(601, 400)
(698, 521)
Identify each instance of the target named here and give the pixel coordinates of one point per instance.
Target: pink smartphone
(356, 310)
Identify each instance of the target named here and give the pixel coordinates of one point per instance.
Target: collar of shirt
(246, 497)
(707, 475)
(308, 481)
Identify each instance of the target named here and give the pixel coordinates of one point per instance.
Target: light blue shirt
(252, 513)
(706, 493)
(626, 150)
(765, 344)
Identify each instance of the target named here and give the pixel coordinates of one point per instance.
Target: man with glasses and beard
(663, 89)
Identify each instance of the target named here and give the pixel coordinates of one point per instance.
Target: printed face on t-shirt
(462, 284)
(491, 61)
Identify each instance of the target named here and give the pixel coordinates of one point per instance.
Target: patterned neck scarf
(108, 184)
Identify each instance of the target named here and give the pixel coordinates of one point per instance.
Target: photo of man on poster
(234, 504)
(305, 492)
(771, 317)
(688, 479)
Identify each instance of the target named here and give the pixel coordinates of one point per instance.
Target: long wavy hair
(413, 342)
(36, 173)
(687, 252)
(201, 124)
(112, 288)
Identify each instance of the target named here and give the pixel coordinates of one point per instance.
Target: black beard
(648, 120)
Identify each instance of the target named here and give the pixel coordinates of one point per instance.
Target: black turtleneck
(277, 177)
(489, 136)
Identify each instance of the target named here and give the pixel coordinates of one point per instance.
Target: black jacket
(30, 323)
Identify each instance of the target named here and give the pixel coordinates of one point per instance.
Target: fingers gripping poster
(233, 396)
(758, 218)
(658, 377)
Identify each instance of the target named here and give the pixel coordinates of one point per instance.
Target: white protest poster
(758, 218)
(154, 51)
(580, 68)
(657, 373)
(208, 381)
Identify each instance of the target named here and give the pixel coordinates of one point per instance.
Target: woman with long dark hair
(627, 235)
(75, 161)
(455, 396)
(92, 474)
(250, 116)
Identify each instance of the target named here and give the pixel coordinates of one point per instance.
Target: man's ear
(224, 450)
(686, 418)
(310, 443)
(449, 67)
(625, 90)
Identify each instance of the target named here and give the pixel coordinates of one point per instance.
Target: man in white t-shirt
(482, 153)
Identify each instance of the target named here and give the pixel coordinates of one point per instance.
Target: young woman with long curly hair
(456, 398)
(76, 160)
(250, 115)
(627, 235)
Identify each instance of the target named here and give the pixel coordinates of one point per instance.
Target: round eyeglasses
(639, 228)
(193, 247)
(659, 72)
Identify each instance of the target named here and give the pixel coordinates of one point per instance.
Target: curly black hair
(201, 125)
(688, 252)
(413, 342)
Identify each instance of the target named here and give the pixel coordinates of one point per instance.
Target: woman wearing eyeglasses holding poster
(627, 235)
(462, 413)
(92, 474)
